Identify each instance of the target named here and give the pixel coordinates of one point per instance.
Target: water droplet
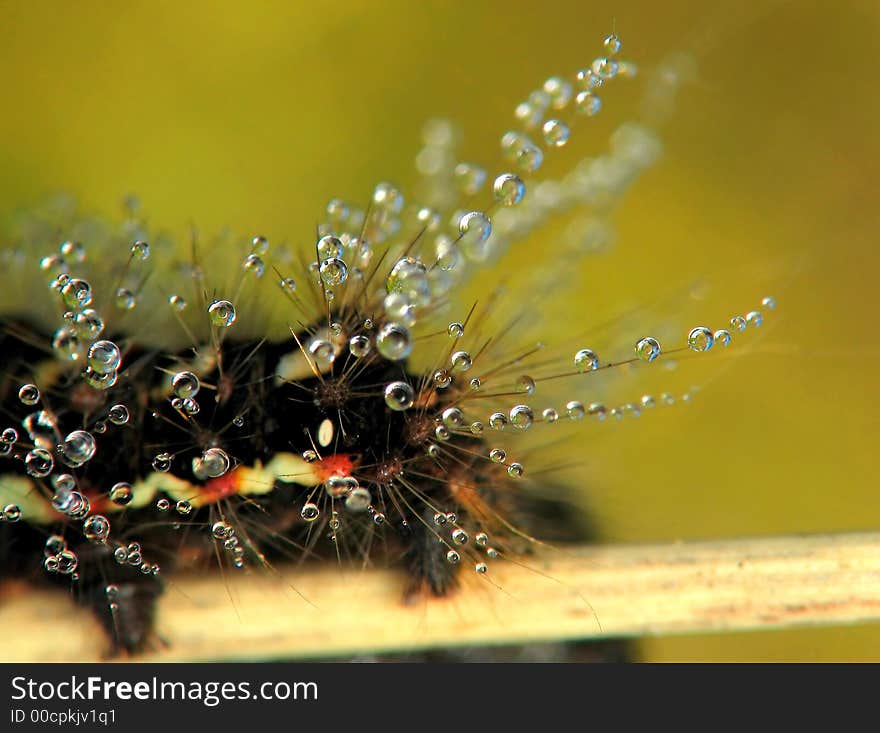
(612, 44)
(9, 436)
(73, 251)
(78, 448)
(185, 384)
(259, 245)
(288, 284)
(648, 348)
(333, 271)
(455, 330)
(88, 324)
(76, 294)
(509, 189)
(67, 562)
(221, 531)
(587, 80)
(574, 410)
(29, 394)
(310, 512)
(604, 68)
(498, 421)
(118, 414)
(587, 103)
(481, 568)
(559, 92)
(461, 361)
(768, 302)
(378, 518)
(11, 513)
(222, 313)
(213, 463)
(97, 528)
(754, 318)
(497, 455)
(358, 500)
(125, 299)
(469, 178)
(481, 539)
(66, 344)
(254, 265)
(521, 416)
(556, 133)
(459, 537)
(550, 415)
(475, 229)
(586, 360)
(647, 401)
(340, 486)
(722, 337)
(104, 357)
(393, 341)
(399, 396)
(140, 250)
(163, 505)
(452, 557)
(121, 493)
(700, 339)
(309, 456)
(738, 323)
(54, 544)
(162, 462)
(177, 303)
(525, 384)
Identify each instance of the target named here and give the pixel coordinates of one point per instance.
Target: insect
(148, 428)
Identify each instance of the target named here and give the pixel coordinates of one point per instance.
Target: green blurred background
(253, 115)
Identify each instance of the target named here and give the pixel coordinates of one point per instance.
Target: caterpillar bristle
(153, 418)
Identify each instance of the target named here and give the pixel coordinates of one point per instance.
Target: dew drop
(288, 284)
(461, 361)
(481, 568)
(140, 250)
(754, 319)
(254, 265)
(333, 271)
(497, 455)
(185, 384)
(498, 421)
(769, 302)
(221, 531)
(586, 360)
(162, 462)
(455, 330)
(469, 178)
(222, 313)
(738, 323)
(525, 384)
(213, 463)
(78, 448)
(177, 303)
(556, 133)
(358, 500)
(722, 337)
(604, 68)
(393, 341)
(11, 513)
(97, 528)
(310, 512)
(104, 357)
(163, 505)
(9, 436)
(121, 493)
(648, 348)
(452, 557)
(29, 394)
(399, 396)
(700, 339)
(183, 507)
(587, 103)
(118, 414)
(574, 410)
(125, 299)
(597, 410)
(521, 417)
(509, 189)
(550, 415)
(612, 44)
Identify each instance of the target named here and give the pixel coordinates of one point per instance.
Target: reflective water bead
(399, 396)
(185, 384)
(452, 557)
(768, 302)
(183, 507)
(359, 345)
(100, 381)
(66, 344)
(287, 284)
(509, 189)
(310, 512)
(550, 415)
(442, 378)
(587, 80)
(9, 435)
(213, 463)
(559, 92)
(455, 330)
(700, 339)
(259, 245)
(309, 456)
(140, 250)
(469, 178)
(738, 323)
(475, 384)
(104, 357)
(162, 462)
(329, 247)
(476, 428)
(587, 103)
(73, 251)
(67, 562)
(221, 531)
(461, 361)
(647, 401)
(459, 536)
(722, 337)
(125, 299)
(597, 410)
(525, 384)
(88, 324)
(222, 313)
(163, 505)
(474, 227)
(574, 410)
(604, 68)
(393, 341)
(556, 133)
(497, 455)
(54, 544)
(754, 318)
(97, 528)
(498, 421)
(333, 271)
(481, 568)
(453, 417)
(339, 486)
(11, 513)
(612, 44)
(358, 500)
(492, 553)
(121, 493)
(118, 414)
(585, 360)
(78, 448)
(648, 348)
(29, 394)
(387, 198)
(76, 294)
(254, 265)
(521, 416)
(177, 302)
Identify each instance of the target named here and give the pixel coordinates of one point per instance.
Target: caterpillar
(152, 423)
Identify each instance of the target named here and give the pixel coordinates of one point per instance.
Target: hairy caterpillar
(384, 421)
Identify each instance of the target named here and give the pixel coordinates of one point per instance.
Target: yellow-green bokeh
(252, 115)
